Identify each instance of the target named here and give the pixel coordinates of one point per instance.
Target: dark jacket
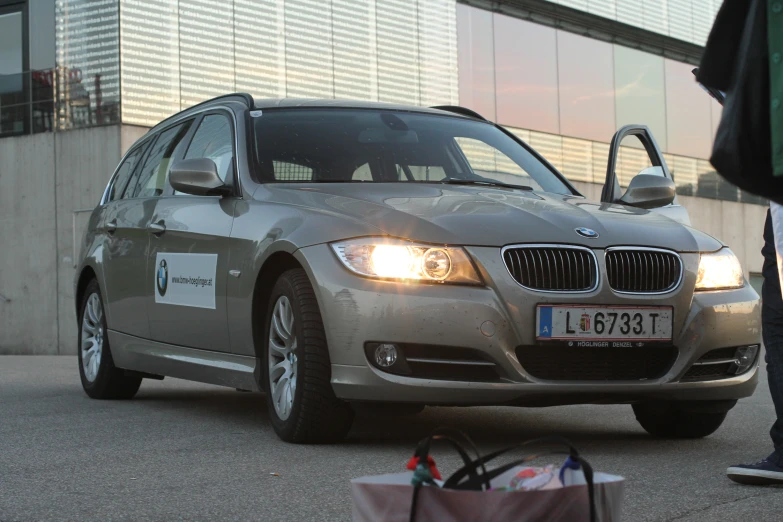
(724, 49)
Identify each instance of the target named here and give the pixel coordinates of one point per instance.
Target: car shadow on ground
(486, 425)
(239, 409)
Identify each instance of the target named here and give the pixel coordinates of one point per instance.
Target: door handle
(157, 228)
(111, 226)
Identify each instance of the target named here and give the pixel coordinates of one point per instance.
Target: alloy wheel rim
(93, 337)
(282, 358)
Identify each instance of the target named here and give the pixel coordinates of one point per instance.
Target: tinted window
(213, 140)
(152, 176)
(336, 145)
(525, 81)
(12, 92)
(124, 173)
(476, 56)
(586, 87)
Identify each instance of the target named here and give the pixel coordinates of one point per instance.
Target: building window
(13, 94)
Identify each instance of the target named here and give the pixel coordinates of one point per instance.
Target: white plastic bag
(387, 498)
(478, 492)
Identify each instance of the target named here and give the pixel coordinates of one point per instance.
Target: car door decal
(185, 279)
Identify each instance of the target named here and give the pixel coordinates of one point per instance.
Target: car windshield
(360, 145)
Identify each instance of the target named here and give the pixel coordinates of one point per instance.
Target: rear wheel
(100, 378)
(681, 421)
(302, 404)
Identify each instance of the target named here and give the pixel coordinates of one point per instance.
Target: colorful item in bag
(414, 462)
(567, 476)
(533, 479)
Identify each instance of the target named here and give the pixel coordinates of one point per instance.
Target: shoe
(762, 473)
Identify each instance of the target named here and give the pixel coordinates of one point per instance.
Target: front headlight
(720, 270)
(387, 258)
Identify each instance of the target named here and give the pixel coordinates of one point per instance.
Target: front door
(189, 250)
(612, 191)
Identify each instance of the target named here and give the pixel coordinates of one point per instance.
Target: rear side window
(152, 177)
(213, 139)
(124, 173)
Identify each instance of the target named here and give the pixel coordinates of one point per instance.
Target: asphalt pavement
(187, 451)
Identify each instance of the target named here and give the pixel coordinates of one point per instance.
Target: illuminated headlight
(719, 271)
(396, 259)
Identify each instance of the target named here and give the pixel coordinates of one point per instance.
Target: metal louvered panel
(552, 268)
(643, 271)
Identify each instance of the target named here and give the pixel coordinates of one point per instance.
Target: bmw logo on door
(587, 232)
(163, 277)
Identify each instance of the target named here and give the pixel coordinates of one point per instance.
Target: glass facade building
(139, 61)
(391, 50)
(686, 20)
(67, 64)
(567, 94)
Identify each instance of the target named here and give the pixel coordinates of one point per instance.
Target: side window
(214, 140)
(152, 176)
(124, 173)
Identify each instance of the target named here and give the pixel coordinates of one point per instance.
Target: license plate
(604, 323)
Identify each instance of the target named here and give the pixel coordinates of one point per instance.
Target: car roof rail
(456, 109)
(243, 97)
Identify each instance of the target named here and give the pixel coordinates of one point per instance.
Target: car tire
(295, 352)
(668, 420)
(100, 378)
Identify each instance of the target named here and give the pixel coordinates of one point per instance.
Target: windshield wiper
(486, 182)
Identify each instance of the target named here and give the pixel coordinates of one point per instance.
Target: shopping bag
(476, 492)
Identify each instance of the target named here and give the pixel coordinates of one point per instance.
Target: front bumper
(364, 383)
(356, 310)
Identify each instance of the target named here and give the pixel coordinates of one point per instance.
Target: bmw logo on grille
(586, 232)
(163, 277)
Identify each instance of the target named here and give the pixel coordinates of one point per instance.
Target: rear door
(624, 157)
(190, 246)
(125, 248)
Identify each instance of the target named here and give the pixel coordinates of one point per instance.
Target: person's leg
(769, 470)
(772, 333)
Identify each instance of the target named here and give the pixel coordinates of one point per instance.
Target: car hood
(488, 216)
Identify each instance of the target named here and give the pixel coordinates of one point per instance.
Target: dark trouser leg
(772, 332)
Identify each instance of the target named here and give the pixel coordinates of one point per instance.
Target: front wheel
(681, 421)
(100, 378)
(302, 404)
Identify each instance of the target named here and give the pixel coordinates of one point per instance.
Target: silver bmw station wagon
(344, 255)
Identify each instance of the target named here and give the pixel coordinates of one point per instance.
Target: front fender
(263, 229)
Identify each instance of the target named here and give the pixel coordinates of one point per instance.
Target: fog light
(744, 358)
(385, 355)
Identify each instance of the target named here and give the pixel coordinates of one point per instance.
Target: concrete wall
(28, 245)
(45, 178)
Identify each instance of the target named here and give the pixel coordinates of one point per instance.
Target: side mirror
(197, 176)
(648, 191)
